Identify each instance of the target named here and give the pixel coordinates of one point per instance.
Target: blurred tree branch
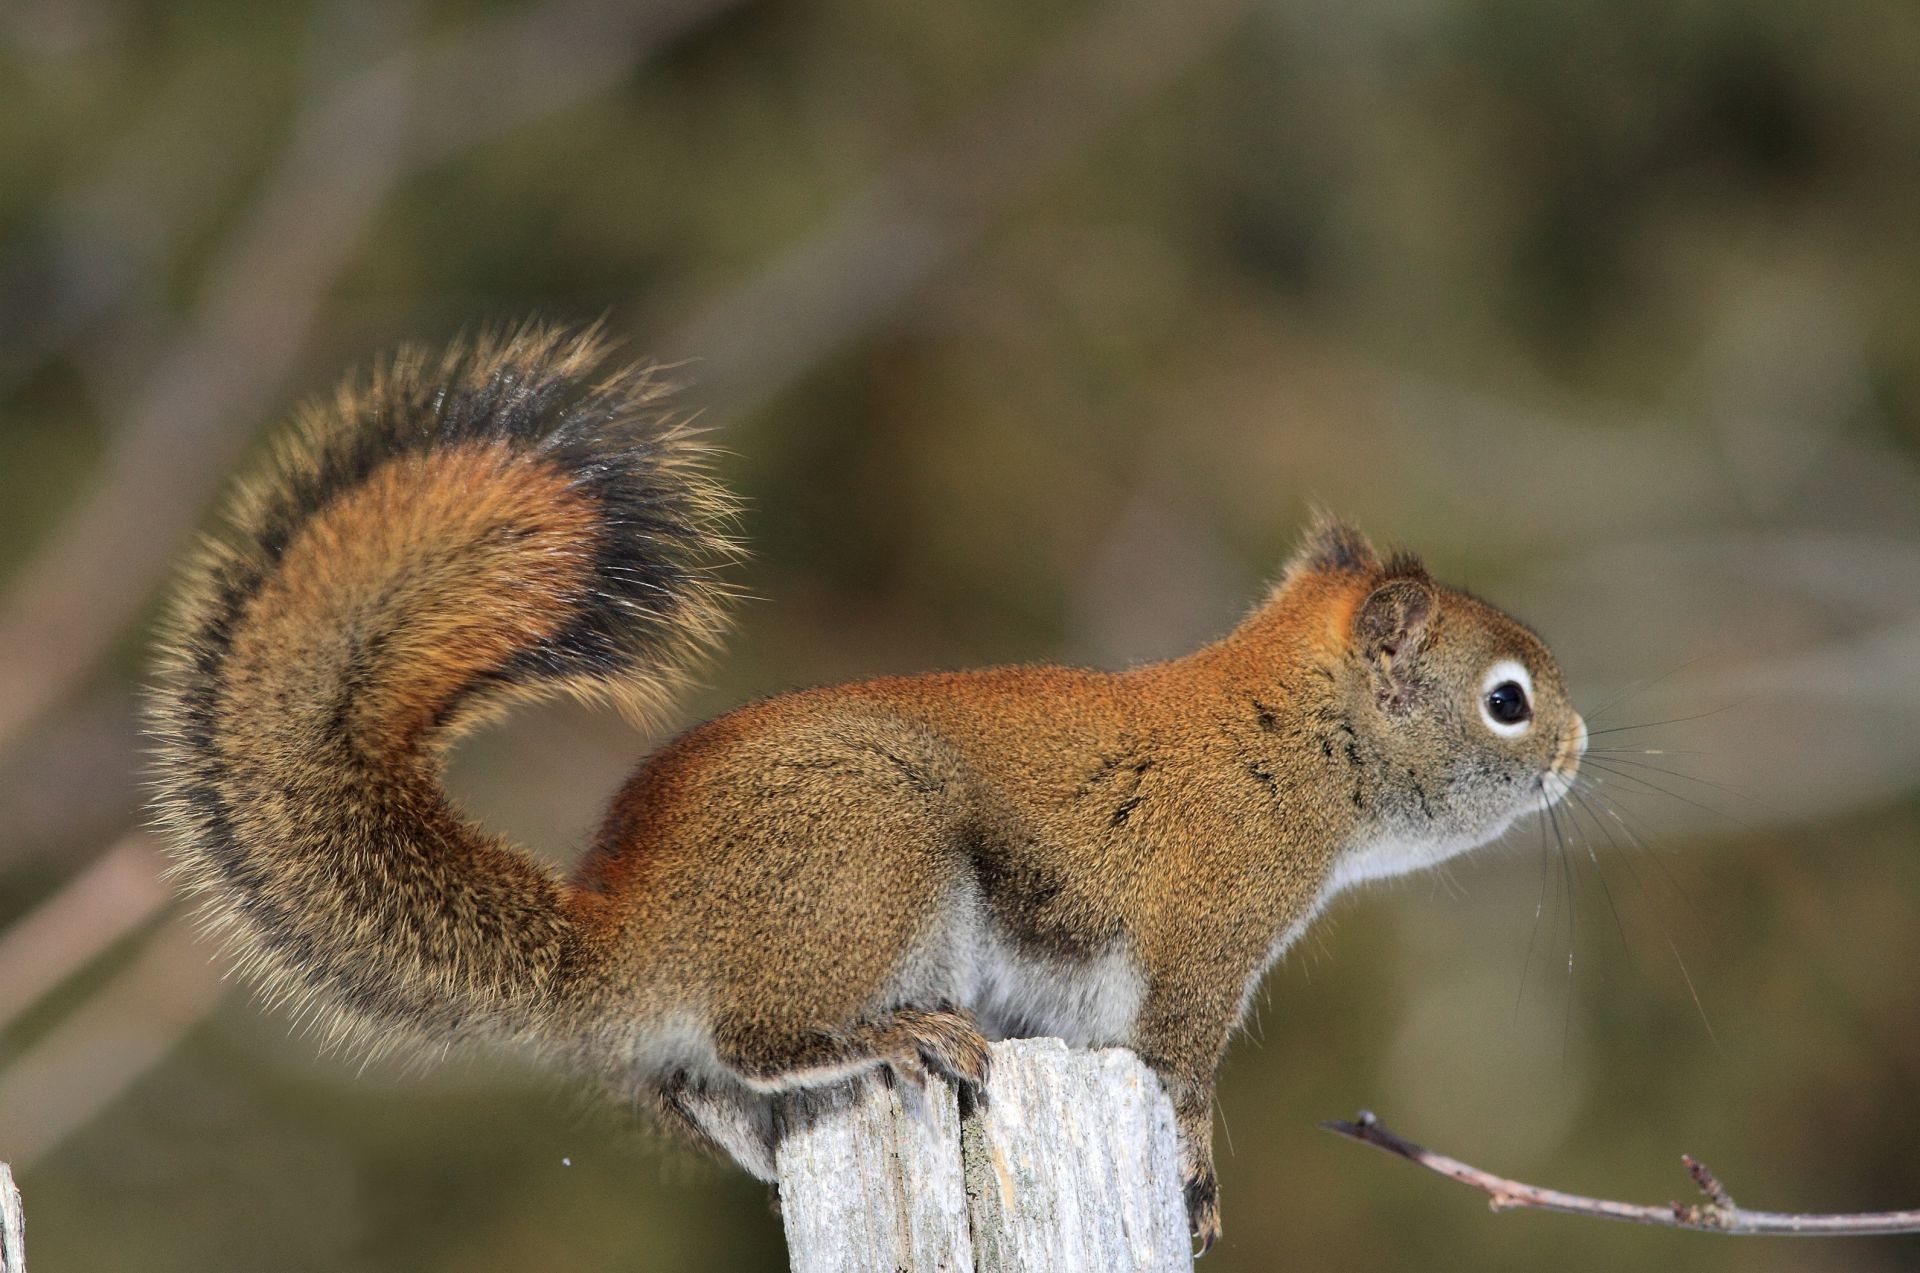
(755, 340)
(118, 893)
(1718, 1214)
(352, 145)
(106, 1044)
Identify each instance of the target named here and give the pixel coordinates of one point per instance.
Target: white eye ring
(1500, 673)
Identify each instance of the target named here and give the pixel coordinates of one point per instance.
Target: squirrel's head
(1450, 719)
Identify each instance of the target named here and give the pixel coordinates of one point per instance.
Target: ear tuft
(1405, 565)
(1333, 546)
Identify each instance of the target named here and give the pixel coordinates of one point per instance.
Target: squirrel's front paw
(1203, 1210)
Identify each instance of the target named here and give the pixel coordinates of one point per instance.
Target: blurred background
(1031, 331)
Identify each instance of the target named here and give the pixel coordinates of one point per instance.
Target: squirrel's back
(439, 539)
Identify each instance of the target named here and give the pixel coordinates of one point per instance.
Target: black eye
(1507, 703)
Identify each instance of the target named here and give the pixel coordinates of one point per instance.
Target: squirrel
(816, 886)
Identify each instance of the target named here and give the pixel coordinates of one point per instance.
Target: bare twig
(1718, 1214)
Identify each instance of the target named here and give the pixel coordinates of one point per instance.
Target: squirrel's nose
(1573, 746)
(1558, 780)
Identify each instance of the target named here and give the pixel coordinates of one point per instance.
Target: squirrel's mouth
(1561, 770)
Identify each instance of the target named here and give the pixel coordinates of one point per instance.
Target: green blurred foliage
(1608, 308)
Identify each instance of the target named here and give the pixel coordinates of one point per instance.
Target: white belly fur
(1088, 1003)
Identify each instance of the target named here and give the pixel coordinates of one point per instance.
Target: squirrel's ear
(1388, 628)
(1334, 546)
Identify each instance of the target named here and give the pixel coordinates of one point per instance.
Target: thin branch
(1717, 1214)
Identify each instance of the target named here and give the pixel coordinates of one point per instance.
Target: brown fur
(816, 885)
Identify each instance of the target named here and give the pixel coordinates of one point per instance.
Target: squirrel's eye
(1507, 703)
(1506, 698)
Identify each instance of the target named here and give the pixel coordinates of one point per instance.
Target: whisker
(1622, 775)
(1638, 837)
(1693, 992)
(1666, 934)
(1566, 875)
(1672, 720)
(1533, 934)
(1732, 789)
(1640, 687)
(1605, 890)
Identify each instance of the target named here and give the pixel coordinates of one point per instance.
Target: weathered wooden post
(13, 1226)
(871, 1179)
(1070, 1164)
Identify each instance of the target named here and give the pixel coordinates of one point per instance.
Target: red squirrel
(817, 885)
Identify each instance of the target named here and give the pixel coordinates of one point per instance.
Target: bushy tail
(438, 540)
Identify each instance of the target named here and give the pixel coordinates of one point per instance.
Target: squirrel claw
(1203, 1212)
